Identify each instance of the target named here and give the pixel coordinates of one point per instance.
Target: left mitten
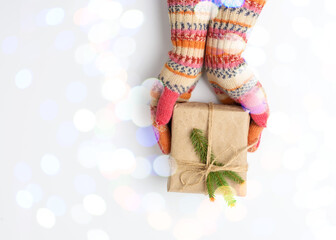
(181, 72)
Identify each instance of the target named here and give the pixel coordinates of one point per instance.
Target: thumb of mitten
(165, 106)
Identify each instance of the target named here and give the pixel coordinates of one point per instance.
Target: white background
(78, 158)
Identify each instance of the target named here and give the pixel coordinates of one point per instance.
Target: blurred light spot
(143, 168)
(64, 40)
(146, 136)
(237, 213)
(141, 115)
(48, 110)
(124, 46)
(159, 220)
(259, 36)
(83, 17)
(148, 83)
(127, 198)
(55, 16)
(76, 92)
(24, 199)
(121, 161)
(9, 45)
(101, 32)
(85, 54)
(90, 152)
(304, 182)
(303, 27)
(36, 191)
(317, 117)
(285, 53)
(50, 164)
(67, 134)
(262, 227)
(23, 78)
(113, 90)
(97, 234)
(278, 122)
(123, 110)
(22, 172)
(255, 56)
(91, 70)
(153, 202)
(80, 215)
(132, 19)
(188, 228)
(233, 3)
(94, 204)
(85, 184)
(45, 218)
(293, 158)
(109, 64)
(206, 10)
(57, 205)
(108, 10)
(84, 120)
(161, 165)
(105, 122)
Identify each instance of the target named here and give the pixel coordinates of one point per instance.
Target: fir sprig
(215, 179)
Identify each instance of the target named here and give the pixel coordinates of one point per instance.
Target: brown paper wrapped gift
(228, 127)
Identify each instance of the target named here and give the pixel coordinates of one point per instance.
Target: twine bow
(202, 170)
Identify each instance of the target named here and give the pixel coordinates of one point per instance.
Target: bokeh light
(55, 16)
(76, 92)
(57, 205)
(45, 218)
(94, 204)
(24, 199)
(49, 110)
(85, 184)
(9, 45)
(84, 120)
(127, 198)
(132, 18)
(22, 172)
(161, 166)
(50, 164)
(23, 78)
(67, 134)
(80, 215)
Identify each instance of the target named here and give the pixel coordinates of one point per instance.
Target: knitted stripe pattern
(227, 71)
(188, 35)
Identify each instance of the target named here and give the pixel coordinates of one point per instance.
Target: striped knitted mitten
(227, 71)
(162, 132)
(182, 71)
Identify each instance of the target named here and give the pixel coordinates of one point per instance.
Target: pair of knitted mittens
(210, 34)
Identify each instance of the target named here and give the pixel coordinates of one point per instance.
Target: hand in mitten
(227, 71)
(183, 69)
(162, 132)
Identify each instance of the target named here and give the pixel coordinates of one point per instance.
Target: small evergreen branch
(225, 189)
(200, 144)
(211, 186)
(234, 177)
(215, 179)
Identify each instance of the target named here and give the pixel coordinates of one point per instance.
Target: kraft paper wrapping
(230, 127)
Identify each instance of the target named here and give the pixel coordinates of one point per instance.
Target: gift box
(226, 127)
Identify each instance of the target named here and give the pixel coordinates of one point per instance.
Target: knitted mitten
(182, 71)
(227, 71)
(162, 132)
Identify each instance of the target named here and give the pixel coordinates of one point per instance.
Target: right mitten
(227, 71)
